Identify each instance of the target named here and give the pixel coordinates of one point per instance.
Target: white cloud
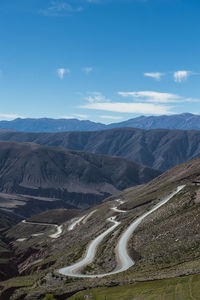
(87, 70)
(139, 108)
(111, 117)
(181, 76)
(156, 75)
(10, 116)
(151, 96)
(142, 102)
(95, 97)
(61, 72)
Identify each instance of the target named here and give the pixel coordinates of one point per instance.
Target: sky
(102, 60)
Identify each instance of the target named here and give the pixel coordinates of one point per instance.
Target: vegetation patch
(183, 288)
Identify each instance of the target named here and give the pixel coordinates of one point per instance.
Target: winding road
(75, 222)
(59, 229)
(125, 261)
(55, 235)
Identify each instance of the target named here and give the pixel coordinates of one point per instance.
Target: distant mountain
(66, 178)
(160, 149)
(51, 125)
(184, 121)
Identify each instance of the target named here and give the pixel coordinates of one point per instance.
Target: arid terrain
(165, 244)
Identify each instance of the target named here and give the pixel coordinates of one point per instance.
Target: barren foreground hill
(165, 245)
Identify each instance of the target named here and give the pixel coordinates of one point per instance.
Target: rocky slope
(159, 149)
(51, 177)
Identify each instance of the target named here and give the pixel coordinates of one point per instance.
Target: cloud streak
(142, 102)
(109, 117)
(151, 96)
(60, 8)
(75, 116)
(10, 116)
(155, 75)
(136, 108)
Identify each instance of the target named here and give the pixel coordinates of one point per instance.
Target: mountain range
(89, 179)
(185, 121)
(159, 149)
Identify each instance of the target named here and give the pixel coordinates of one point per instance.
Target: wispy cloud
(151, 96)
(154, 75)
(66, 117)
(111, 117)
(62, 71)
(157, 97)
(60, 8)
(139, 108)
(75, 116)
(68, 7)
(87, 70)
(180, 76)
(95, 97)
(81, 116)
(97, 101)
(10, 116)
(142, 102)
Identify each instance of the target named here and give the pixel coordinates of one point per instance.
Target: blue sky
(103, 60)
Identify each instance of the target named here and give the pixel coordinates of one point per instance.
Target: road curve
(55, 235)
(125, 261)
(90, 254)
(75, 222)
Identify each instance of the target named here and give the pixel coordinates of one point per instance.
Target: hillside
(160, 149)
(34, 177)
(165, 245)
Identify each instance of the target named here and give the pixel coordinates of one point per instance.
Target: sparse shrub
(43, 281)
(49, 297)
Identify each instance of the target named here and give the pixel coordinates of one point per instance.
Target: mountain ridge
(61, 178)
(184, 121)
(160, 149)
